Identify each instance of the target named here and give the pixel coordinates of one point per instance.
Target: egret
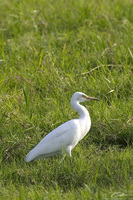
(66, 135)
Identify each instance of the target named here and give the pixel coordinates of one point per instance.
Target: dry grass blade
(95, 68)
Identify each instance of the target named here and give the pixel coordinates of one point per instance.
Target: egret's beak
(90, 98)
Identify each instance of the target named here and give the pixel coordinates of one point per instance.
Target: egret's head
(81, 97)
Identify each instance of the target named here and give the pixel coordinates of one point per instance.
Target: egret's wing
(64, 135)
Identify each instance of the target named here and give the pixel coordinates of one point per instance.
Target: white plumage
(66, 135)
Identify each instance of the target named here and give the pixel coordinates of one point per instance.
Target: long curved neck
(83, 112)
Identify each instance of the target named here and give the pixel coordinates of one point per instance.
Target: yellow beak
(90, 98)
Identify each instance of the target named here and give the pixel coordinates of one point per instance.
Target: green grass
(49, 50)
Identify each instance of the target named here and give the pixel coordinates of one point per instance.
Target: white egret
(66, 135)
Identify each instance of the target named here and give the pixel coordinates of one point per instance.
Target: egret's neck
(83, 112)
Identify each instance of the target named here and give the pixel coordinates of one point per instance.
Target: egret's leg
(69, 150)
(61, 157)
(71, 161)
(69, 153)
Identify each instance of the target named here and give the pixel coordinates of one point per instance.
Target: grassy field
(48, 51)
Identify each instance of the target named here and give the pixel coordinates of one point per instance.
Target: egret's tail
(29, 157)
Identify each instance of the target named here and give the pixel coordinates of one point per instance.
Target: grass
(49, 50)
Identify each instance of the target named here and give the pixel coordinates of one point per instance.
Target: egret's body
(66, 135)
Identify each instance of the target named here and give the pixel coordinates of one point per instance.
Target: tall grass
(49, 50)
